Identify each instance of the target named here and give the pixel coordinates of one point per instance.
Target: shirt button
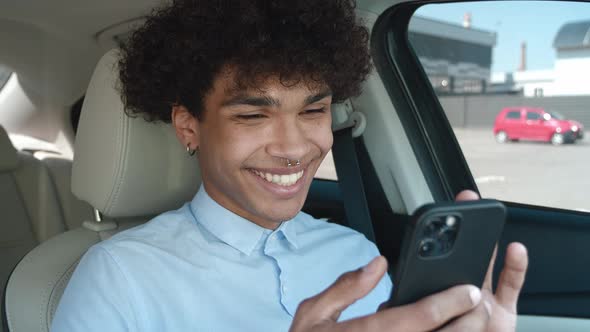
(284, 288)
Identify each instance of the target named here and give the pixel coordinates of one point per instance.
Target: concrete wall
(480, 111)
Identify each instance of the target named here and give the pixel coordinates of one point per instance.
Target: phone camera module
(428, 248)
(439, 236)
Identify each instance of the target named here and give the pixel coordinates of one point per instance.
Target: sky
(535, 22)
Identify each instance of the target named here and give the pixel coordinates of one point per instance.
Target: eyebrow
(317, 97)
(245, 99)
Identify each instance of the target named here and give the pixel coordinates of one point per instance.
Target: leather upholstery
(9, 159)
(126, 166)
(74, 210)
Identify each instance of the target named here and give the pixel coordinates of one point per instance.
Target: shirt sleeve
(97, 297)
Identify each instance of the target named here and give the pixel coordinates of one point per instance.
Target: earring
(190, 151)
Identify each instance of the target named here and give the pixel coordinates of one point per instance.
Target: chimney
(467, 20)
(522, 66)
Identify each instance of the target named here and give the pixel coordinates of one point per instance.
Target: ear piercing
(190, 151)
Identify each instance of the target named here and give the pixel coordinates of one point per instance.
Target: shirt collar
(236, 231)
(288, 230)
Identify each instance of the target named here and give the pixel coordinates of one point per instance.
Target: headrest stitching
(123, 137)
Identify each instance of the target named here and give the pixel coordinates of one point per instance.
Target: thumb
(349, 287)
(467, 195)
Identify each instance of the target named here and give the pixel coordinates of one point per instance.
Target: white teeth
(285, 179)
(280, 179)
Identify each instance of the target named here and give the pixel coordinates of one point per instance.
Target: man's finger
(512, 276)
(467, 195)
(425, 315)
(476, 320)
(487, 283)
(349, 287)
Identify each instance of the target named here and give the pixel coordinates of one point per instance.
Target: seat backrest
(30, 211)
(124, 167)
(74, 210)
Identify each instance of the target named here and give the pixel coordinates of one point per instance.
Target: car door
(515, 124)
(551, 220)
(534, 126)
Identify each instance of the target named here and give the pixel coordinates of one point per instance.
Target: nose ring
(289, 164)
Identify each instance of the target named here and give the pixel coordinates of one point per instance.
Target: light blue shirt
(204, 268)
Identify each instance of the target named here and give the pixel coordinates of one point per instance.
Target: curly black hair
(174, 57)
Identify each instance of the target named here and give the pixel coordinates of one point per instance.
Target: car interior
(109, 172)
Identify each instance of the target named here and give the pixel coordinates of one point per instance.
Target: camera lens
(427, 247)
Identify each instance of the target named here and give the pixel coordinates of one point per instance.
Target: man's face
(248, 138)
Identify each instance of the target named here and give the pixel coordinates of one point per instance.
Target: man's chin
(283, 215)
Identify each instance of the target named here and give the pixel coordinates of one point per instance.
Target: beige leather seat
(126, 168)
(31, 211)
(74, 210)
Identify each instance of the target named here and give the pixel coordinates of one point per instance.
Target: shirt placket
(276, 249)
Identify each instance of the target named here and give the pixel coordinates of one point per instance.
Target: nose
(288, 140)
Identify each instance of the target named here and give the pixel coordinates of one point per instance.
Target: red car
(535, 124)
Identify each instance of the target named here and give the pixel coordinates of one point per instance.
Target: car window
(483, 57)
(533, 116)
(327, 170)
(513, 115)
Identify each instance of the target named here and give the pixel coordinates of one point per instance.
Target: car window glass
(327, 171)
(533, 116)
(485, 57)
(513, 115)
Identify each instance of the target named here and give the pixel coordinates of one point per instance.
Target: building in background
(456, 58)
(568, 77)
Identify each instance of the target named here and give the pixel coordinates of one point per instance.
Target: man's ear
(186, 126)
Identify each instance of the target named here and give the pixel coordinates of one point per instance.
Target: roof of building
(573, 35)
(449, 30)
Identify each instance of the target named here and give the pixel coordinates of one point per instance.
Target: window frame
(427, 127)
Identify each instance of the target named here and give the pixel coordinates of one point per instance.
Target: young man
(248, 86)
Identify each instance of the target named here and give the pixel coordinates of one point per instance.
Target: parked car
(535, 124)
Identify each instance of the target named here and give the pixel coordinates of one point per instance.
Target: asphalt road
(524, 172)
(529, 172)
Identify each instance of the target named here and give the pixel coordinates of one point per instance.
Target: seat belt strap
(351, 183)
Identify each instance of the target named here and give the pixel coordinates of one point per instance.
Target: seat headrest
(125, 166)
(8, 154)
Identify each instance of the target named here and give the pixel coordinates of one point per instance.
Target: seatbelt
(351, 183)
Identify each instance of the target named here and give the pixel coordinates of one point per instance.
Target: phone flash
(451, 221)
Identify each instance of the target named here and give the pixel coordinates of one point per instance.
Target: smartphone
(445, 245)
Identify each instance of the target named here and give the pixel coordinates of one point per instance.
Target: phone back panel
(480, 225)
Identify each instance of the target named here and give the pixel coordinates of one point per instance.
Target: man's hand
(502, 303)
(465, 307)
(320, 313)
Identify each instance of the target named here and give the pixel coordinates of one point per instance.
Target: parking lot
(529, 172)
(524, 172)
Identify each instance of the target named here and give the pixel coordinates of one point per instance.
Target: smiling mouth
(284, 180)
